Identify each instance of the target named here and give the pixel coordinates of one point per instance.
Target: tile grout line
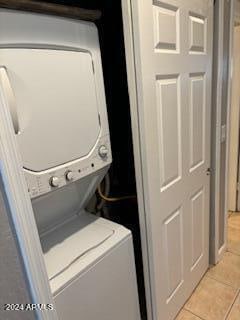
(221, 282)
(193, 314)
(236, 254)
(227, 284)
(238, 290)
(224, 283)
(231, 306)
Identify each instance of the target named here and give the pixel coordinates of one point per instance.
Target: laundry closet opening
(116, 197)
(122, 172)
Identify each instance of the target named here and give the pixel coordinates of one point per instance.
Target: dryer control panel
(43, 182)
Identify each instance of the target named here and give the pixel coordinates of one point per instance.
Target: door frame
(135, 122)
(22, 216)
(234, 126)
(217, 253)
(237, 22)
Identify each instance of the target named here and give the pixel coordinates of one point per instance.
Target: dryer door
(56, 102)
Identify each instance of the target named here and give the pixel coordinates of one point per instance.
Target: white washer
(51, 73)
(101, 283)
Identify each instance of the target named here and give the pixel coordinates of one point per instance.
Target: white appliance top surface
(76, 245)
(56, 103)
(61, 249)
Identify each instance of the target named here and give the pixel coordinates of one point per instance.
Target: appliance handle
(9, 97)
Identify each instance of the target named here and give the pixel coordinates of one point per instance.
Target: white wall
(237, 11)
(234, 123)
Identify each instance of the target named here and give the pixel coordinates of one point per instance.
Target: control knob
(69, 175)
(54, 181)
(103, 151)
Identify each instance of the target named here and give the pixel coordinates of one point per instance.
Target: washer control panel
(40, 183)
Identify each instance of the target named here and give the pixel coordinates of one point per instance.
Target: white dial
(54, 181)
(103, 151)
(69, 175)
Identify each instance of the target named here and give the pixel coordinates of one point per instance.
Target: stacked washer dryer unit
(50, 72)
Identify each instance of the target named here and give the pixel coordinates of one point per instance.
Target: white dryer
(51, 75)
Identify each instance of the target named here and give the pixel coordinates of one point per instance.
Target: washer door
(56, 102)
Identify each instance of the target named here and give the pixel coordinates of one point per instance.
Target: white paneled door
(173, 65)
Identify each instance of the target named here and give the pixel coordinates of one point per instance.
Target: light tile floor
(217, 296)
